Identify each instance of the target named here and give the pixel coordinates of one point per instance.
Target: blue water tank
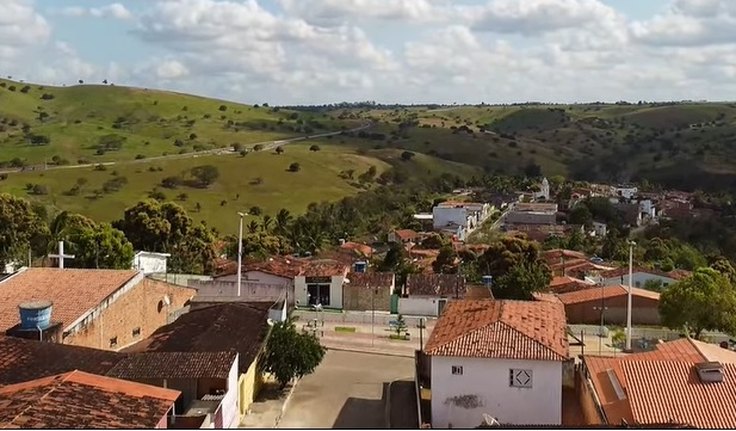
(361, 266)
(487, 280)
(35, 314)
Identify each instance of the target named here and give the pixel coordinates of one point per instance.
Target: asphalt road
(348, 390)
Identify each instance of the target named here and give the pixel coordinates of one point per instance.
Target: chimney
(710, 372)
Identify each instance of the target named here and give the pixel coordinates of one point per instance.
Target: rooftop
(281, 266)
(371, 279)
(663, 386)
(563, 284)
(436, 285)
(362, 249)
(80, 400)
(607, 292)
(22, 360)
(74, 292)
(229, 327)
(406, 234)
(174, 365)
(624, 272)
(532, 330)
(324, 268)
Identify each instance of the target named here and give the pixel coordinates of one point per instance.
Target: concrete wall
(363, 317)
(142, 307)
(587, 400)
(484, 387)
(231, 402)
(249, 291)
(638, 279)
(249, 384)
(364, 298)
(149, 264)
(258, 277)
(300, 292)
(644, 311)
(180, 279)
(419, 306)
(441, 217)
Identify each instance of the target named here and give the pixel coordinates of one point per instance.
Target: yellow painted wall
(249, 384)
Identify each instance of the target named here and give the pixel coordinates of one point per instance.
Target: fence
(648, 333)
(382, 318)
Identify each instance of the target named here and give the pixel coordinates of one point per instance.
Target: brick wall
(644, 311)
(359, 298)
(140, 309)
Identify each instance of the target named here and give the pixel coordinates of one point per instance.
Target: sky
(389, 51)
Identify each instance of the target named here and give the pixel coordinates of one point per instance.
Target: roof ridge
(548, 348)
(695, 345)
(51, 389)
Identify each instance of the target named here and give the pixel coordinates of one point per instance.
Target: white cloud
(21, 27)
(332, 12)
(690, 23)
(114, 10)
(171, 69)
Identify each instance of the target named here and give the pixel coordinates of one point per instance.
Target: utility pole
(373, 316)
(240, 252)
(628, 302)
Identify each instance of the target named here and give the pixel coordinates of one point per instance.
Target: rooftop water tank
(35, 314)
(361, 266)
(487, 280)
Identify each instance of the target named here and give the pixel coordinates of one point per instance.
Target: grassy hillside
(685, 145)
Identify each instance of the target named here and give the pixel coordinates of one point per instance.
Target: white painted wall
(300, 291)
(149, 263)
(638, 279)
(231, 402)
(488, 379)
(260, 277)
(418, 306)
(626, 192)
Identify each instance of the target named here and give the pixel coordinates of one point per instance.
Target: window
(520, 378)
(136, 332)
(457, 370)
(113, 341)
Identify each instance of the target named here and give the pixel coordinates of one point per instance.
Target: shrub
(314, 148)
(223, 108)
(294, 167)
(205, 175)
(255, 210)
(279, 150)
(39, 139)
(114, 184)
(258, 147)
(171, 182)
(157, 195)
(243, 153)
(3, 177)
(11, 88)
(182, 197)
(37, 189)
(25, 89)
(192, 136)
(47, 96)
(100, 167)
(139, 157)
(407, 155)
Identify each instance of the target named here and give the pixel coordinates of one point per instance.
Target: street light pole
(628, 302)
(373, 316)
(240, 251)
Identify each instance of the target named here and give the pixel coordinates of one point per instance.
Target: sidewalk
(363, 341)
(266, 410)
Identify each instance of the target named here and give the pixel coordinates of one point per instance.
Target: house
(586, 306)
(503, 359)
(81, 400)
(639, 276)
(150, 262)
(468, 215)
(105, 309)
(625, 191)
(428, 294)
(543, 193)
(321, 282)
(207, 381)
(230, 327)
(532, 214)
(369, 291)
(360, 250)
(403, 236)
(600, 229)
(276, 270)
(685, 382)
(564, 284)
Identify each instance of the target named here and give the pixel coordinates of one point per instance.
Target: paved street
(347, 390)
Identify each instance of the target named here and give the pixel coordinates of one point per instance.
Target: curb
(357, 350)
(387, 408)
(286, 404)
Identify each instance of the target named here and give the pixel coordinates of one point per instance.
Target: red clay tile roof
(548, 297)
(451, 285)
(22, 360)
(362, 249)
(557, 254)
(663, 384)
(679, 274)
(564, 284)
(73, 291)
(174, 365)
(607, 292)
(406, 234)
(281, 266)
(532, 330)
(371, 279)
(81, 400)
(229, 327)
(624, 272)
(324, 268)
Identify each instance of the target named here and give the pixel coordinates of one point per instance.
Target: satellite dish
(167, 300)
(490, 420)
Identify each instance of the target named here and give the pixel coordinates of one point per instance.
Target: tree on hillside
(100, 246)
(314, 148)
(257, 147)
(279, 150)
(521, 280)
(407, 155)
(580, 215)
(294, 167)
(445, 261)
(705, 301)
(21, 228)
(506, 253)
(205, 175)
(725, 267)
(290, 354)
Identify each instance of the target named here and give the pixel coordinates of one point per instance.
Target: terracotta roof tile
(607, 292)
(73, 291)
(406, 234)
(324, 268)
(22, 360)
(557, 254)
(662, 386)
(532, 330)
(81, 400)
(174, 365)
(566, 284)
(451, 285)
(371, 279)
(362, 249)
(229, 327)
(281, 266)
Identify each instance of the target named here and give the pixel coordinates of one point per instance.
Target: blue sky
(322, 51)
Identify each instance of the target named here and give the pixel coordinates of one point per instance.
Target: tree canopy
(21, 229)
(291, 354)
(705, 301)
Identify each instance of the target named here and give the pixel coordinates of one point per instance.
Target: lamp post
(421, 327)
(628, 301)
(240, 251)
(373, 316)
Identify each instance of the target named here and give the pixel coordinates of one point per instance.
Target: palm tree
(283, 219)
(253, 226)
(266, 222)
